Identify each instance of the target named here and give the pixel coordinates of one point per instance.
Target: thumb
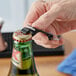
(47, 18)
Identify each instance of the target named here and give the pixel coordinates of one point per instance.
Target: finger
(50, 44)
(46, 19)
(40, 37)
(46, 45)
(43, 39)
(61, 27)
(72, 24)
(36, 10)
(61, 41)
(52, 30)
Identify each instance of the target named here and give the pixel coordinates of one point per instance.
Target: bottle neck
(22, 54)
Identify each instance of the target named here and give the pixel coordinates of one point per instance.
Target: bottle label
(19, 61)
(16, 58)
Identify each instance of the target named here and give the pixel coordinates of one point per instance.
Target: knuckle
(46, 16)
(58, 8)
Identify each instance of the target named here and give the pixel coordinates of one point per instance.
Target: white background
(14, 12)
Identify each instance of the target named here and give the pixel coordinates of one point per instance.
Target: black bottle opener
(33, 31)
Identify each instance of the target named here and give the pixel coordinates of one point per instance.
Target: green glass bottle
(22, 62)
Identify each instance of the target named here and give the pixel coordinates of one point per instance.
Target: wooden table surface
(46, 66)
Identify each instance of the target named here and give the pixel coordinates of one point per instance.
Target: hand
(56, 17)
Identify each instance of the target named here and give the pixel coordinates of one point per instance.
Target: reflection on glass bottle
(22, 63)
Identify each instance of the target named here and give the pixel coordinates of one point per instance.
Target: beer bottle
(22, 62)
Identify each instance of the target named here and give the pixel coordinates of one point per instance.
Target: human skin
(56, 17)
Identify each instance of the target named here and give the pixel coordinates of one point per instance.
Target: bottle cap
(20, 37)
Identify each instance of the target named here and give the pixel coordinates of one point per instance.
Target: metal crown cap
(20, 37)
